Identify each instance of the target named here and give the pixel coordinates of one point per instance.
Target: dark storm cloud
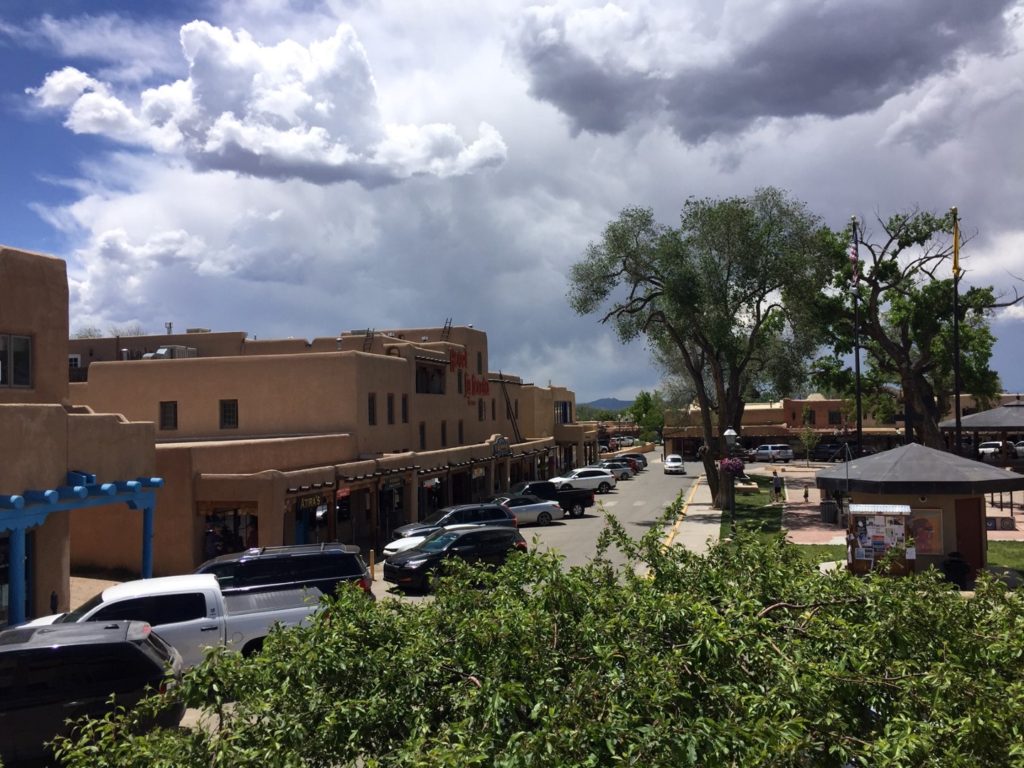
(833, 59)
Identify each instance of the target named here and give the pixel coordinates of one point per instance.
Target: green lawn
(1003, 556)
(755, 512)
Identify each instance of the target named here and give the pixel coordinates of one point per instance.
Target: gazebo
(1003, 420)
(945, 494)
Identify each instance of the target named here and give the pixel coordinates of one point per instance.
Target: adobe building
(60, 464)
(782, 422)
(268, 442)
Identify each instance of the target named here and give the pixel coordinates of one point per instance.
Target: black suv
(54, 673)
(265, 569)
(477, 514)
(828, 452)
(488, 545)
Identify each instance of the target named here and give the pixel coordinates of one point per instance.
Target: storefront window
(229, 530)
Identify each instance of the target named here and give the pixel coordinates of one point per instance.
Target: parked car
(674, 465)
(480, 514)
(192, 614)
(992, 450)
(590, 478)
(265, 569)
(573, 500)
(827, 451)
(481, 544)
(50, 675)
(773, 452)
(408, 542)
(529, 509)
(639, 457)
(1019, 449)
(620, 469)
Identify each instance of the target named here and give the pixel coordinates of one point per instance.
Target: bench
(746, 487)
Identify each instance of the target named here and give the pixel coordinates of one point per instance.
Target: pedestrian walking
(776, 486)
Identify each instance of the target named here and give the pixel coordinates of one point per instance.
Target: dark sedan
(462, 514)
(489, 545)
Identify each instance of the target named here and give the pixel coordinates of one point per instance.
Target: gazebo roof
(1004, 418)
(916, 469)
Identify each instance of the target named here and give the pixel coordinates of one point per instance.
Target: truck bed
(278, 600)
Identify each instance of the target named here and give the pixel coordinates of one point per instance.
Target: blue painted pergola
(18, 513)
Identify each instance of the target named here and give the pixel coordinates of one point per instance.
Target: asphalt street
(637, 503)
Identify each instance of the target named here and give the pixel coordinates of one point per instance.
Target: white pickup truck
(190, 613)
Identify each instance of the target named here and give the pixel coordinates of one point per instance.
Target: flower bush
(732, 466)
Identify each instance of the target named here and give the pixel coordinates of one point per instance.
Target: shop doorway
(229, 530)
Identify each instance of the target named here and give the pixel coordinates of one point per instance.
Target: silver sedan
(530, 509)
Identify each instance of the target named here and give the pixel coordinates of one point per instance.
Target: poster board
(873, 530)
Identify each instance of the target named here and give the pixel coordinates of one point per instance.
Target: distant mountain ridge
(609, 404)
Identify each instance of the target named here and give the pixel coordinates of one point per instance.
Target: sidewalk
(699, 522)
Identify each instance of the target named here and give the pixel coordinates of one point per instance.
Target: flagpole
(855, 261)
(956, 327)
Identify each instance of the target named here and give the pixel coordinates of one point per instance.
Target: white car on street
(993, 450)
(589, 478)
(674, 465)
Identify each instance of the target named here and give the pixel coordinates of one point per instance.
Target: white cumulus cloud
(271, 111)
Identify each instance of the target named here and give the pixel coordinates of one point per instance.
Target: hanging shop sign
(311, 502)
(393, 482)
(502, 447)
(478, 472)
(343, 493)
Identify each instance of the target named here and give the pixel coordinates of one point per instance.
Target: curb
(682, 513)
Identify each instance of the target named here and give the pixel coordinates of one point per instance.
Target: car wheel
(577, 510)
(603, 488)
(544, 518)
(624, 476)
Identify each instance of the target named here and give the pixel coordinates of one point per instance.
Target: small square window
(229, 414)
(169, 414)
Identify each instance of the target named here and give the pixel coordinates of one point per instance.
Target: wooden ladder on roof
(510, 410)
(368, 340)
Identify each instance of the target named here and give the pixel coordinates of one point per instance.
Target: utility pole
(855, 262)
(956, 327)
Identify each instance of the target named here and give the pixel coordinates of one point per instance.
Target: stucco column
(411, 495)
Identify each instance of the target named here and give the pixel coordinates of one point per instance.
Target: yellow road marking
(682, 513)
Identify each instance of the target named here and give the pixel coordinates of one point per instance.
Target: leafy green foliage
(906, 325)
(648, 413)
(722, 298)
(745, 657)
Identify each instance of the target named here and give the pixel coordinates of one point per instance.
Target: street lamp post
(730, 441)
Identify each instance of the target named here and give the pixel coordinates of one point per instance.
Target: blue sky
(300, 168)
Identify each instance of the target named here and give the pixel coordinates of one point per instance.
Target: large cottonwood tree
(906, 324)
(724, 293)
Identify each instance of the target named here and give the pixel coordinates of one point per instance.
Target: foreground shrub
(744, 657)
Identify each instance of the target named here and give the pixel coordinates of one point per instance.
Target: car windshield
(439, 542)
(80, 611)
(436, 517)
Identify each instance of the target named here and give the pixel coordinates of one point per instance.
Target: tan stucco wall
(34, 302)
